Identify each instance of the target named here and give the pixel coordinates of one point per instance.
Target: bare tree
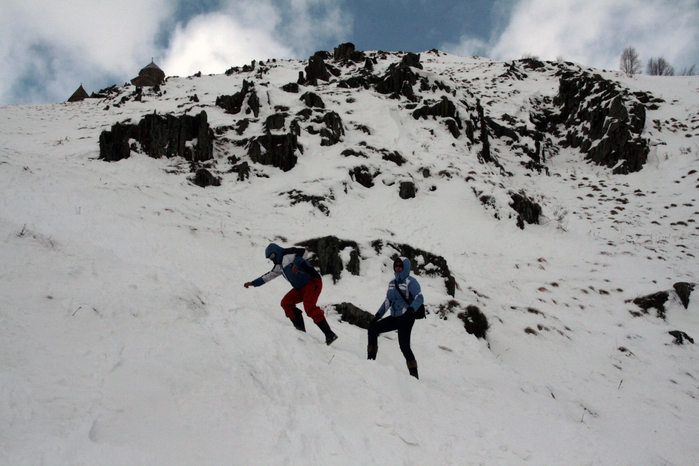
(629, 62)
(659, 67)
(691, 71)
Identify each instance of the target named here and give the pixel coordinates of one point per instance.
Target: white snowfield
(127, 337)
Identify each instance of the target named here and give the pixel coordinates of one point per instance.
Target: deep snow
(128, 338)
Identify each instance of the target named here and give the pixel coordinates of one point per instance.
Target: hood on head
(406, 269)
(278, 252)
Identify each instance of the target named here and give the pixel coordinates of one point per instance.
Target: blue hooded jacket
(284, 260)
(410, 288)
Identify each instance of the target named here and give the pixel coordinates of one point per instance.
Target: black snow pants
(404, 325)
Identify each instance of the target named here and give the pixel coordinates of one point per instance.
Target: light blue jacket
(410, 288)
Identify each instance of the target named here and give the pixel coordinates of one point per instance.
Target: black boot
(412, 368)
(371, 351)
(329, 334)
(298, 320)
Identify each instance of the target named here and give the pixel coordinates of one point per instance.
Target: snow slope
(128, 338)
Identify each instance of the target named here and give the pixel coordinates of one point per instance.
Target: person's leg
(289, 302)
(405, 328)
(387, 324)
(311, 292)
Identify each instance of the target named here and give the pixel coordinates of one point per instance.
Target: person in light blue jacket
(403, 298)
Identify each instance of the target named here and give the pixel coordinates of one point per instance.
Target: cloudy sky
(49, 48)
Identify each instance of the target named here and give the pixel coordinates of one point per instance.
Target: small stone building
(149, 76)
(78, 95)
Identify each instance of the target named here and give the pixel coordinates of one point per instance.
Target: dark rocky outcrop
(354, 315)
(233, 104)
(604, 121)
(363, 176)
(442, 109)
(684, 290)
(681, 337)
(347, 52)
(316, 69)
(292, 88)
(407, 190)
(275, 122)
(398, 81)
(333, 131)
(277, 150)
(204, 178)
(422, 262)
(475, 322)
(161, 136)
(312, 99)
(485, 150)
(326, 255)
(527, 210)
(656, 301)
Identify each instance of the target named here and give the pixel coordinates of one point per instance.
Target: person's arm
(271, 275)
(416, 294)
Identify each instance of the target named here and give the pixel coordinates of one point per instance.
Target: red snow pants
(308, 295)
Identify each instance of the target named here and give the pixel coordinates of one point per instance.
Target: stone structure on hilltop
(78, 95)
(151, 75)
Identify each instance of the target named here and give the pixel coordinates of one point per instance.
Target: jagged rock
(114, 144)
(423, 262)
(243, 171)
(475, 322)
(445, 108)
(354, 82)
(275, 122)
(453, 127)
(363, 176)
(277, 150)
(161, 136)
(346, 52)
(312, 99)
(292, 88)
(527, 210)
(233, 104)
(319, 202)
(655, 300)
(398, 80)
(333, 131)
(394, 157)
(680, 337)
(354, 315)
(485, 150)
(407, 190)
(316, 69)
(253, 104)
(326, 255)
(611, 121)
(204, 178)
(411, 59)
(684, 290)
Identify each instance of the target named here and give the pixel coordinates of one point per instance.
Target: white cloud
(215, 42)
(593, 32)
(48, 48)
(243, 31)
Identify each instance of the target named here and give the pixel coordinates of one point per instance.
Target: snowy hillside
(127, 337)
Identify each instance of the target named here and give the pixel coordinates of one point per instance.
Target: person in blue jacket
(403, 298)
(306, 283)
